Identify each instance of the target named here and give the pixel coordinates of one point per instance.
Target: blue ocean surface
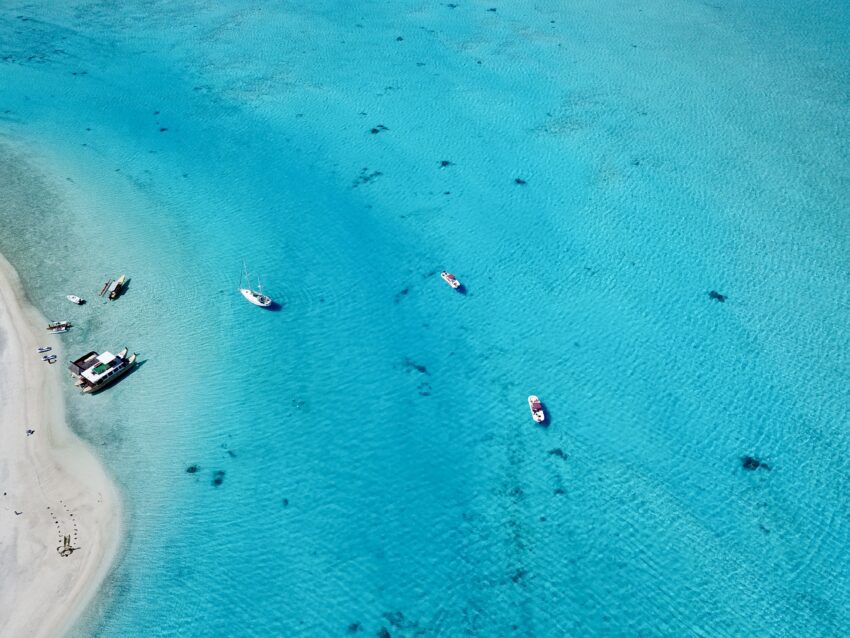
(361, 460)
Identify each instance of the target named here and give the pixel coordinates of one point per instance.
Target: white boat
(58, 326)
(94, 371)
(75, 299)
(256, 297)
(450, 279)
(117, 287)
(536, 408)
(43, 349)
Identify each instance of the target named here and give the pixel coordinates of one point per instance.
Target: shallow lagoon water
(380, 469)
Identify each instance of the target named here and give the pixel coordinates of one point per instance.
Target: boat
(48, 357)
(58, 326)
(536, 408)
(116, 287)
(75, 299)
(450, 279)
(43, 349)
(105, 286)
(94, 371)
(256, 297)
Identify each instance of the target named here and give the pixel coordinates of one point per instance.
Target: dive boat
(256, 297)
(58, 326)
(536, 408)
(450, 279)
(115, 288)
(94, 371)
(75, 299)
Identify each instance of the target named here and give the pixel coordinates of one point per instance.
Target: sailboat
(256, 297)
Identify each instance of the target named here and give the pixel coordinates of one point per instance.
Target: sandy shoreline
(52, 479)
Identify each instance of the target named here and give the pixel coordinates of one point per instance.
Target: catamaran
(256, 297)
(55, 327)
(94, 371)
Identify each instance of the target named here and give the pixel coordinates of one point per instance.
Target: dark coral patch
(559, 453)
(717, 296)
(354, 627)
(192, 469)
(750, 463)
(162, 129)
(383, 632)
(410, 364)
(218, 478)
(520, 181)
(444, 163)
(518, 575)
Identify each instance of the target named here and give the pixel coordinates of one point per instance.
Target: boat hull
(537, 414)
(256, 298)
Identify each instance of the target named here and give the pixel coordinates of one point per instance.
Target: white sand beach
(51, 485)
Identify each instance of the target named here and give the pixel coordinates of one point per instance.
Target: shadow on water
(124, 288)
(461, 290)
(275, 307)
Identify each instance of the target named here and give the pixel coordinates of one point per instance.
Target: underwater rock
(518, 575)
(750, 463)
(192, 469)
(285, 502)
(162, 129)
(716, 295)
(412, 365)
(383, 632)
(520, 181)
(558, 491)
(517, 492)
(354, 627)
(218, 478)
(559, 453)
(444, 163)
(399, 39)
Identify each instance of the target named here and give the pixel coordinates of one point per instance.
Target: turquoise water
(381, 469)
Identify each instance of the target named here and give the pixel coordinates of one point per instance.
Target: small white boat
(450, 279)
(75, 299)
(256, 297)
(43, 349)
(536, 408)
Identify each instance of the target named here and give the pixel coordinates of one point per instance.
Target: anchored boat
(55, 327)
(94, 371)
(450, 279)
(116, 287)
(256, 297)
(75, 299)
(536, 408)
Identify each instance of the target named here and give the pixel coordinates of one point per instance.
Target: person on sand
(29, 432)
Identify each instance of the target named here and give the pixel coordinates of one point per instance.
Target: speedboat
(43, 349)
(75, 299)
(536, 408)
(58, 326)
(116, 288)
(450, 279)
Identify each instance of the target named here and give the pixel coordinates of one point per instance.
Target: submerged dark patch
(395, 618)
(717, 296)
(410, 364)
(383, 632)
(192, 469)
(750, 463)
(231, 454)
(520, 181)
(285, 502)
(444, 163)
(218, 478)
(518, 575)
(365, 177)
(354, 627)
(559, 453)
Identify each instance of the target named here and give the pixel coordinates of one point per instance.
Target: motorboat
(94, 371)
(75, 299)
(536, 408)
(58, 326)
(116, 287)
(450, 279)
(256, 297)
(43, 349)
